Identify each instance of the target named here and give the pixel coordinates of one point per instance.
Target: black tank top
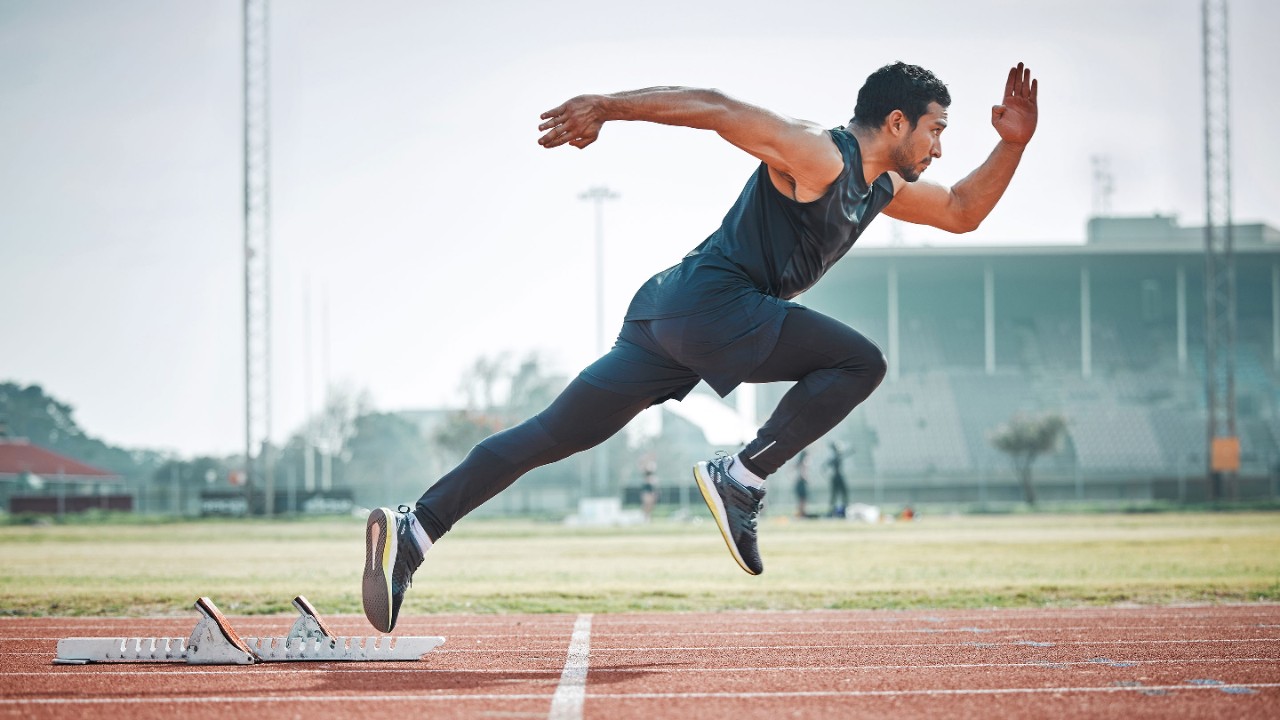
(769, 243)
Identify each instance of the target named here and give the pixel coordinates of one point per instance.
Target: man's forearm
(977, 194)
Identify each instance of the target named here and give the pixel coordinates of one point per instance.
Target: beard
(906, 165)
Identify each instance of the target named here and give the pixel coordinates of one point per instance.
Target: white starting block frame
(214, 642)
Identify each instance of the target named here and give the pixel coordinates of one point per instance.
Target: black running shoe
(391, 557)
(735, 508)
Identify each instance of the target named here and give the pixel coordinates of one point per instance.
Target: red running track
(1150, 662)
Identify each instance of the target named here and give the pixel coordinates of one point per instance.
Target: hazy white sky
(409, 192)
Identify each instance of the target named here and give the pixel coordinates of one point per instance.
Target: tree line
(380, 455)
(385, 457)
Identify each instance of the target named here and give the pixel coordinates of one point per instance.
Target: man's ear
(896, 123)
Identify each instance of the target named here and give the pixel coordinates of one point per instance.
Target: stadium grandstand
(1109, 334)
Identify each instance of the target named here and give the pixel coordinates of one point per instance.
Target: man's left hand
(1015, 118)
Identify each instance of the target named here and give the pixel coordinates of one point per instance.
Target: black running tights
(834, 366)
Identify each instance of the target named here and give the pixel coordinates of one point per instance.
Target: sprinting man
(724, 314)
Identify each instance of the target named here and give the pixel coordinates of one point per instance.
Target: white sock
(739, 472)
(419, 535)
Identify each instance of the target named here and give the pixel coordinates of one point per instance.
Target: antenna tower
(257, 262)
(1220, 272)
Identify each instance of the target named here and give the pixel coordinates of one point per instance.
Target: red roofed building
(35, 479)
(18, 457)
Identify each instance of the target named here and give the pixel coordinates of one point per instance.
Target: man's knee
(877, 366)
(861, 375)
(868, 365)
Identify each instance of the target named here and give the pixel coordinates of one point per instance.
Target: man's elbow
(960, 225)
(962, 217)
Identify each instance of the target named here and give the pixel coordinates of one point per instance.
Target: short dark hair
(899, 86)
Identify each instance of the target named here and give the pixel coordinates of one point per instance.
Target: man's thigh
(811, 341)
(637, 367)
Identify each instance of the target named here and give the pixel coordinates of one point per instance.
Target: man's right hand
(576, 122)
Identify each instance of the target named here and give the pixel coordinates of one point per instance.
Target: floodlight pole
(257, 260)
(597, 195)
(1223, 448)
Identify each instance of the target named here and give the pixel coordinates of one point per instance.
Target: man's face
(918, 147)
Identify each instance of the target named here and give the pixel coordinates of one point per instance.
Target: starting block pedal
(310, 639)
(214, 642)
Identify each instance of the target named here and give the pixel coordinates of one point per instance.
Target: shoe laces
(753, 517)
(751, 520)
(406, 563)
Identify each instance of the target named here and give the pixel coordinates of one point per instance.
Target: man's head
(895, 99)
(908, 88)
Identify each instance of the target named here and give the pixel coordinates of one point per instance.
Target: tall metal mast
(257, 260)
(598, 195)
(1220, 272)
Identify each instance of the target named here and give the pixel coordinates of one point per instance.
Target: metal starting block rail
(214, 642)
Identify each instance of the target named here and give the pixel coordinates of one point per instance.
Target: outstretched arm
(963, 206)
(801, 156)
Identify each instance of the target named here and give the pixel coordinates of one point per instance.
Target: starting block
(214, 642)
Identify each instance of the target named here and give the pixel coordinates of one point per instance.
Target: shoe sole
(379, 558)
(712, 497)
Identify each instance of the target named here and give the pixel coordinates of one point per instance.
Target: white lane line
(860, 646)
(865, 646)
(1042, 665)
(327, 699)
(293, 670)
(897, 617)
(926, 692)
(567, 702)
(929, 630)
(453, 698)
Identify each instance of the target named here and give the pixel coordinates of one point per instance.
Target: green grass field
(525, 566)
